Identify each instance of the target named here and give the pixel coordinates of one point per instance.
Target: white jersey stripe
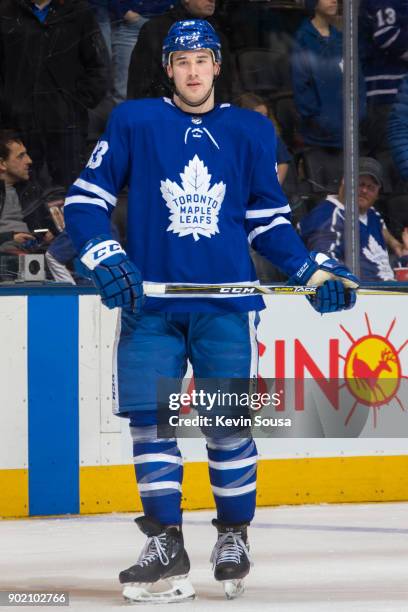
(382, 31)
(391, 40)
(268, 212)
(85, 200)
(265, 228)
(378, 92)
(384, 77)
(156, 486)
(157, 458)
(108, 197)
(232, 465)
(224, 492)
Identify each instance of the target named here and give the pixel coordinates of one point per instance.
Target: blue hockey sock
(233, 479)
(159, 474)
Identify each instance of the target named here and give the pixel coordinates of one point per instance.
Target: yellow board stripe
(14, 493)
(280, 481)
(333, 480)
(108, 489)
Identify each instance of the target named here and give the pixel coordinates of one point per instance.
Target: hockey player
(202, 185)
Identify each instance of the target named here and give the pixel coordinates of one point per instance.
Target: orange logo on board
(372, 369)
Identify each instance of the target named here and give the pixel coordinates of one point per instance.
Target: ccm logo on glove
(99, 252)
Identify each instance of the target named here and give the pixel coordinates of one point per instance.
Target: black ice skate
(160, 575)
(230, 557)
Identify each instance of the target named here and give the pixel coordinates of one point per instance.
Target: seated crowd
(283, 61)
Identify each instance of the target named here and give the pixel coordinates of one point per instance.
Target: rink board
(62, 451)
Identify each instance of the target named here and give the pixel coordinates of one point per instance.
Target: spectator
(384, 56)
(120, 22)
(323, 228)
(147, 79)
(317, 75)
(53, 68)
(259, 105)
(21, 206)
(398, 130)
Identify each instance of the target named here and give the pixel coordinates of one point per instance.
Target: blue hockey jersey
(384, 47)
(202, 188)
(323, 230)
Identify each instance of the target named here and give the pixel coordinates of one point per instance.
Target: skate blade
(233, 588)
(180, 589)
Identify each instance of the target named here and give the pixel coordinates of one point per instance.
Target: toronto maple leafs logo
(195, 205)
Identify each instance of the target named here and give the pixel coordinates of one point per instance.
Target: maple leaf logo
(379, 256)
(195, 205)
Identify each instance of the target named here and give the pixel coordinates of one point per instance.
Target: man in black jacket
(147, 79)
(53, 69)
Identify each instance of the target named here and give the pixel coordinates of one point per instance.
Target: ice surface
(345, 558)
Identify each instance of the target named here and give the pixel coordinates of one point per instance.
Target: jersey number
(97, 154)
(386, 17)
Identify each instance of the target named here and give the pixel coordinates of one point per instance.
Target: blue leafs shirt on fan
(199, 194)
(323, 230)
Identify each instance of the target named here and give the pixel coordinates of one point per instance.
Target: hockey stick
(241, 290)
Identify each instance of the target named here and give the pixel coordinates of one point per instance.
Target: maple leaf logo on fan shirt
(378, 255)
(195, 205)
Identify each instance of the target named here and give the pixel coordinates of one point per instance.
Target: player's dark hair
(8, 136)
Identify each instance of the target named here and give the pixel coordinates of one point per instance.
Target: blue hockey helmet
(189, 36)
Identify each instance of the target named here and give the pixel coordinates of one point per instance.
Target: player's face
(368, 192)
(327, 8)
(193, 73)
(200, 8)
(17, 165)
